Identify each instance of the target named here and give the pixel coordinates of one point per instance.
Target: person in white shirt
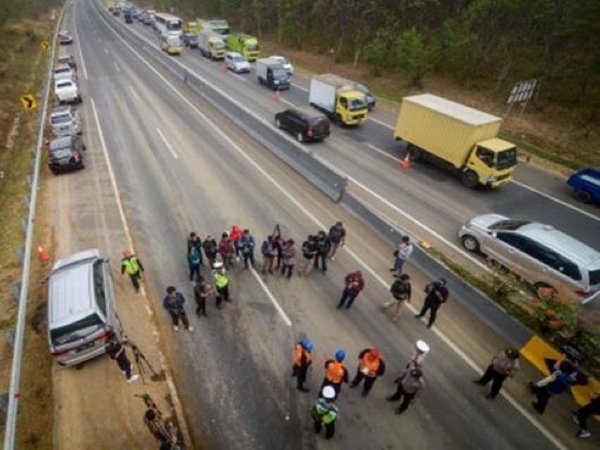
(402, 254)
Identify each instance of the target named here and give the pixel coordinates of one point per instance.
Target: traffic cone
(277, 96)
(43, 255)
(405, 162)
(224, 68)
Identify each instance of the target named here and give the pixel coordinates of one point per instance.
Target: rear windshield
(77, 330)
(64, 118)
(319, 123)
(64, 85)
(509, 225)
(63, 70)
(60, 153)
(594, 277)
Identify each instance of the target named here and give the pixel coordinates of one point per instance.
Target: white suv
(236, 62)
(66, 91)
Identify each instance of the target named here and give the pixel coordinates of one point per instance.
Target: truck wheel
(415, 154)
(469, 179)
(470, 243)
(583, 196)
(338, 119)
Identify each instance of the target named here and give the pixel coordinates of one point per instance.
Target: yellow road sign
(28, 101)
(45, 45)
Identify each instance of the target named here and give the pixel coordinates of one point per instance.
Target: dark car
(65, 154)
(586, 183)
(190, 40)
(304, 123)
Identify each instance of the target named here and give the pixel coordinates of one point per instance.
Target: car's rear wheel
(583, 196)
(300, 137)
(470, 243)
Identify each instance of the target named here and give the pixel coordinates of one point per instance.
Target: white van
(81, 307)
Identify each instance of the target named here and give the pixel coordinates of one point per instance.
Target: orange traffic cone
(405, 162)
(277, 95)
(43, 255)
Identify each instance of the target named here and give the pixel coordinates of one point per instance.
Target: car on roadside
(82, 307)
(547, 259)
(64, 37)
(190, 40)
(63, 72)
(304, 123)
(65, 154)
(65, 121)
(586, 185)
(68, 60)
(287, 65)
(66, 92)
(236, 62)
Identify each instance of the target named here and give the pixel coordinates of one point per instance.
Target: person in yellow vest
(221, 284)
(370, 366)
(335, 372)
(131, 265)
(302, 362)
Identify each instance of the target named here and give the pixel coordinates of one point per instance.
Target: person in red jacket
(234, 235)
(355, 283)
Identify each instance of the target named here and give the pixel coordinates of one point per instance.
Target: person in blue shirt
(173, 303)
(245, 245)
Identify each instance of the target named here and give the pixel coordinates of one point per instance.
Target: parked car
(236, 62)
(304, 123)
(544, 257)
(82, 307)
(586, 183)
(65, 121)
(65, 154)
(63, 72)
(190, 40)
(66, 91)
(69, 60)
(287, 65)
(369, 97)
(65, 38)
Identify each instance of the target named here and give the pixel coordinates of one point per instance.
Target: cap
(127, 253)
(328, 393)
(422, 346)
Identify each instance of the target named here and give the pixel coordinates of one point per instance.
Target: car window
(508, 224)
(63, 118)
(486, 156)
(567, 267)
(99, 285)
(594, 277)
(514, 240)
(77, 330)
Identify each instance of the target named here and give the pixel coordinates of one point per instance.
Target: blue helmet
(340, 355)
(307, 345)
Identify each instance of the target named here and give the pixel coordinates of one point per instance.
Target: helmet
(217, 265)
(307, 345)
(340, 355)
(416, 373)
(126, 253)
(512, 353)
(328, 393)
(373, 353)
(422, 346)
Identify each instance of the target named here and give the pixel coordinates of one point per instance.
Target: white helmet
(422, 347)
(217, 265)
(328, 393)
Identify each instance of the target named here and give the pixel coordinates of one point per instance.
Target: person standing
(324, 413)
(355, 283)
(437, 294)
(173, 303)
(302, 362)
(401, 255)
(221, 284)
(555, 384)
(131, 265)
(278, 245)
(289, 258)
(370, 367)
(234, 235)
(421, 351)
(246, 247)
(401, 292)
(226, 250)
(505, 364)
(308, 254)
(211, 250)
(337, 237)
(410, 384)
(581, 416)
(268, 252)
(322, 246)
(193, 242)
(194, 262)
(115, 348)
(201, 292)
(335, 372)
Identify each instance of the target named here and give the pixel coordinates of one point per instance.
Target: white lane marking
(134, 93)
(384, 153)
(273, 300)
(302, 88)
(163, 361)
(287, 102)
(239, 76)
(162, 136)
(83, 66)
(556, 200)
(116, 66)
(263, 172)
(105, 50)
(383, 124)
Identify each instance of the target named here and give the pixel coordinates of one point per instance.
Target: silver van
(81, 307)
(540, 254)
(65, 121)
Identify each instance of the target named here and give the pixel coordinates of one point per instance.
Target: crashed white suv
(65, 121)
(66, 91)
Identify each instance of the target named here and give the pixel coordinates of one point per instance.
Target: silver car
(65, 121)
(236, 62)
(539, 254)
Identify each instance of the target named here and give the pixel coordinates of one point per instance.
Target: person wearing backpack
(324, 413)
(337, 237)
(437, 294)
(246, 247)
(322, 245)
(268, 252)
(555, 384)
(194, 262)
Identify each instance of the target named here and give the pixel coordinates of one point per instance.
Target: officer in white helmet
(221, 283)
(421, 351)
(325, 413)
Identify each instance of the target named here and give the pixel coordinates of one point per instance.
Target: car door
(287, 119)
(509, 249)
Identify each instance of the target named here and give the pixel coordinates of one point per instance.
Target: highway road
(181, 166)
(435, 201)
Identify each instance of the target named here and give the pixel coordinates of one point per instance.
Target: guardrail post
(342, 189)
(20, 251)
(15, 289)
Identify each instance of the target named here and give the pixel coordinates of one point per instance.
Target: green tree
(376, 54)
(415, 55)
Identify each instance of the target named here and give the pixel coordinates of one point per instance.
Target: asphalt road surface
(181, 166)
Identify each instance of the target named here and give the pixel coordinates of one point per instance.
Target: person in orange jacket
(302, 362)
(234, 234)
(370, 366)
(355, 283)
(335, 372)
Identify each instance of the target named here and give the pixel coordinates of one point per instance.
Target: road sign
(45, 45)
(522, 91)
(29, 102)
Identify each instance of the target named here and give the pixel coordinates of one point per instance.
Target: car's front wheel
(470, 243)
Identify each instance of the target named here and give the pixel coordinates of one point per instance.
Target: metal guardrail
(15, 376)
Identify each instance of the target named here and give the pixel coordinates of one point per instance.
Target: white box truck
(271, 73)
(211, 45)
(338, 99)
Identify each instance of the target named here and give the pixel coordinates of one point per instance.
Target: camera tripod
(143, 365)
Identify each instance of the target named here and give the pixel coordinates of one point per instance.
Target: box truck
(245, 45)
(271, 73)
(211, 45)
(456, 137)
(338, 99)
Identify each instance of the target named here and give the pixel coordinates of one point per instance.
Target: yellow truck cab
(456, 137)
(193, 27)
(244, 44)
(338, 99)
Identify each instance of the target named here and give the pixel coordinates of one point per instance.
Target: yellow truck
(211, 45)
(193, 27)
(338, 99)
(244, 44)
(456, 137)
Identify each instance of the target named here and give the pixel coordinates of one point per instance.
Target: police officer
(370, 367)
(133, 266)
(335, 372)
(505, 364)
(410, 383)
(437, 293)
(324, 413)
(302, 362)
(221, 284)
(116, 350)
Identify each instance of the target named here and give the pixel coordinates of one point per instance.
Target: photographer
(437, 293)
(115, 348)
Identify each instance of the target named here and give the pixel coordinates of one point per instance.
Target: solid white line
(133, 93)
(105, 50)
(383, 124)
(302, 88)
(162, 136)
(287, 102)
(273, 300)
(384, 153)
(116, 66)
(85, 74)
(263, 172)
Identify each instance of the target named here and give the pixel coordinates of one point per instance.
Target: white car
(66, 91)
(65, 121)
(287, 65)
(64, 72)
(64, 37)
(236, 62)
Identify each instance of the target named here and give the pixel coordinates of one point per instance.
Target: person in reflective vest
(554, 384)
(370, 366)
(131, 265)
(221, 284)
(302, 362)
(324, 413)
(335, 372)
